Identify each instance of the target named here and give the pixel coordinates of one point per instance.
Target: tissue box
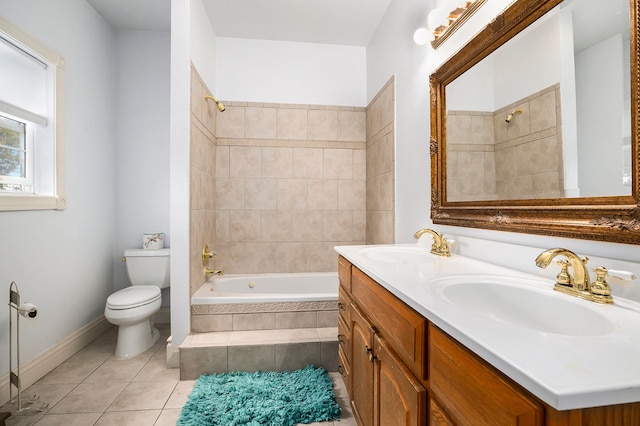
(153, 240)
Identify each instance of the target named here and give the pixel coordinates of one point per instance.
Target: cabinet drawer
(471, 392)
(344, 273)
(394, 320)
(343, 305)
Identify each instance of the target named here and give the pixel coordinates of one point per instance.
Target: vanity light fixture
(445, 20)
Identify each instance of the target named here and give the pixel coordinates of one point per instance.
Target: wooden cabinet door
(399, 399)
(473, 393)
(361, 363)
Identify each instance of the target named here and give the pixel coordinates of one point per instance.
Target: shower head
(219, 104)
(510, 116)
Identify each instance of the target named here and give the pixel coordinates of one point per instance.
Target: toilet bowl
(132, 309)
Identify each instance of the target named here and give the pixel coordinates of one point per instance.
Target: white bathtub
(268, 288)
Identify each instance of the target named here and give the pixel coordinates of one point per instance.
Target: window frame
(54, 198)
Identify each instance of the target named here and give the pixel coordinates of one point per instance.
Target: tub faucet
(439, 246)
(218, 272)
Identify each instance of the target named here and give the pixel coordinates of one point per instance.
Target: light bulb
(421, 36)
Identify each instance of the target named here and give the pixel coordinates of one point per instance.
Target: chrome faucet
(439, 246)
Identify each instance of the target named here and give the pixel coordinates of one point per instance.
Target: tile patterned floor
(94, 388)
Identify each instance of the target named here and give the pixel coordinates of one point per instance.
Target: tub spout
(218, 272)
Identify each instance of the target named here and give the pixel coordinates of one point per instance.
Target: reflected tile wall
(489, 158)
(380, 166)
(290, 184)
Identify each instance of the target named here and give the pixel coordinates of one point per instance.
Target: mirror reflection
(547, 115)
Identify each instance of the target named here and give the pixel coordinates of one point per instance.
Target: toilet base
(135, 339)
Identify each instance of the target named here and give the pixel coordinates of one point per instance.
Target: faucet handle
(622, 275)
(600, 288)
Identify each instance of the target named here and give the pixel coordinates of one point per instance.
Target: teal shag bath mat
(262, 398)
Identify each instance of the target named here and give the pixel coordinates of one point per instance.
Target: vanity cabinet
(385, 356)
(399, 369)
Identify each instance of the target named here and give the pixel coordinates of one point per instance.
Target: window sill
(31, 202)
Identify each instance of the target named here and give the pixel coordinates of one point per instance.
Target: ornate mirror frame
(614, 218)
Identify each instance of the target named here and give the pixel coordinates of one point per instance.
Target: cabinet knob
(341, 370)
(341, 306)
(341, 339)
(369, 353)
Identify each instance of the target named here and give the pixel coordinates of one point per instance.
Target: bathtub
(261, 301)
(268, 288)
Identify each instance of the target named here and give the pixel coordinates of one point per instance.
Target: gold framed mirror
(541, 147)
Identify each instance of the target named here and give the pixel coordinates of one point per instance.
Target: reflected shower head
(510, 116)
(219, 104)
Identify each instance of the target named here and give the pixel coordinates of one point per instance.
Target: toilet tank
(148, 267)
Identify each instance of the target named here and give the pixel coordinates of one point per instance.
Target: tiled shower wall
(489, 158)
(380, 166)
(203, 171)
(290, 185)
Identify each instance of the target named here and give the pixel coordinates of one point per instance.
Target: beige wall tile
(307, 226)
(231, 123)
(359, 226)
(277, 162)
(277, 226)
(386, 192)
(352, 194)
(222, 226)
(260, 258)
(245, 161)
(322, 125)
(458, 129)
(308, 163)
(337, 226)
(291, 257)
(231, 258)
(352, 126)
(244, 226)
(528, 158)
(322, 194)
(470, 165)
(321, 256)
(260, 194)
(338, 164)
(543, 112)
(359, 163)
(222, 161)
(292, 194)
(291, 123)
(482, 129)
(260, 123)
(230, 194)
(550, 154)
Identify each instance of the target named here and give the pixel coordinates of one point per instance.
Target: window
(31, 143)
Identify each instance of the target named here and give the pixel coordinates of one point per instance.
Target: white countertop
(566, 372)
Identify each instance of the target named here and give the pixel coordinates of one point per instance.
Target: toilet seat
(133, 297)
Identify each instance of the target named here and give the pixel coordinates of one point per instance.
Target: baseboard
(33, 370)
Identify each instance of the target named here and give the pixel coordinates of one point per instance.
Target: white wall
(392, 51)
(142, 60)
(287, 72)
(62, 260)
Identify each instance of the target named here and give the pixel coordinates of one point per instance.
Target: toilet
(132, 309)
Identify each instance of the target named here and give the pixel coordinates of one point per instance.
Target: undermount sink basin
(397, 254)
(524, 303)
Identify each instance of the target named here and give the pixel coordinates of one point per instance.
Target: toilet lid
(134, 296)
